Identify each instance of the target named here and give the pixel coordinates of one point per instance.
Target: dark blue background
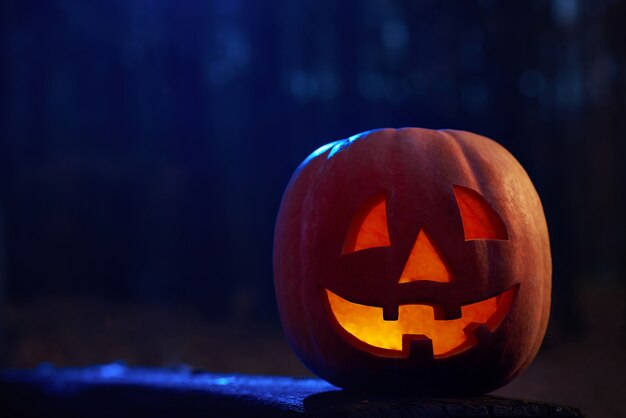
(145, 145)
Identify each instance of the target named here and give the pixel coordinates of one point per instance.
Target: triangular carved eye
(480, 220)
(368, 228)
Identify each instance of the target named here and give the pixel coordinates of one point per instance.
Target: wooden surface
(114, 390)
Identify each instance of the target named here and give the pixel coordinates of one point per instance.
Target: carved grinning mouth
(449, 337)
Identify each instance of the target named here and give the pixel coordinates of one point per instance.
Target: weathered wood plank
(121, 391)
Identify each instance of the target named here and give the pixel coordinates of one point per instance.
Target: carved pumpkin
(413, 260)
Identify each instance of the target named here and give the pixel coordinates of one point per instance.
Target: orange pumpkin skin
(417, 171)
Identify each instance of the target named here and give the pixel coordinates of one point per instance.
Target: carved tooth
(390, 313)
(444, 312)
(478, 330)
(418, 347)
(452, 312)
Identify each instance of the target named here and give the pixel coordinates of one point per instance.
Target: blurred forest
(145, 146)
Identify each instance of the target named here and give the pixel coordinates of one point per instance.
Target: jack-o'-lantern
(413, 260)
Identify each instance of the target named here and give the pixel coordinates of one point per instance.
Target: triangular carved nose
(425, 262)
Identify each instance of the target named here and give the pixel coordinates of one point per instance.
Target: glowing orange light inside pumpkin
(368, 227)
(366, 323)
(425, 263)
(449, 337)
(480, 221)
